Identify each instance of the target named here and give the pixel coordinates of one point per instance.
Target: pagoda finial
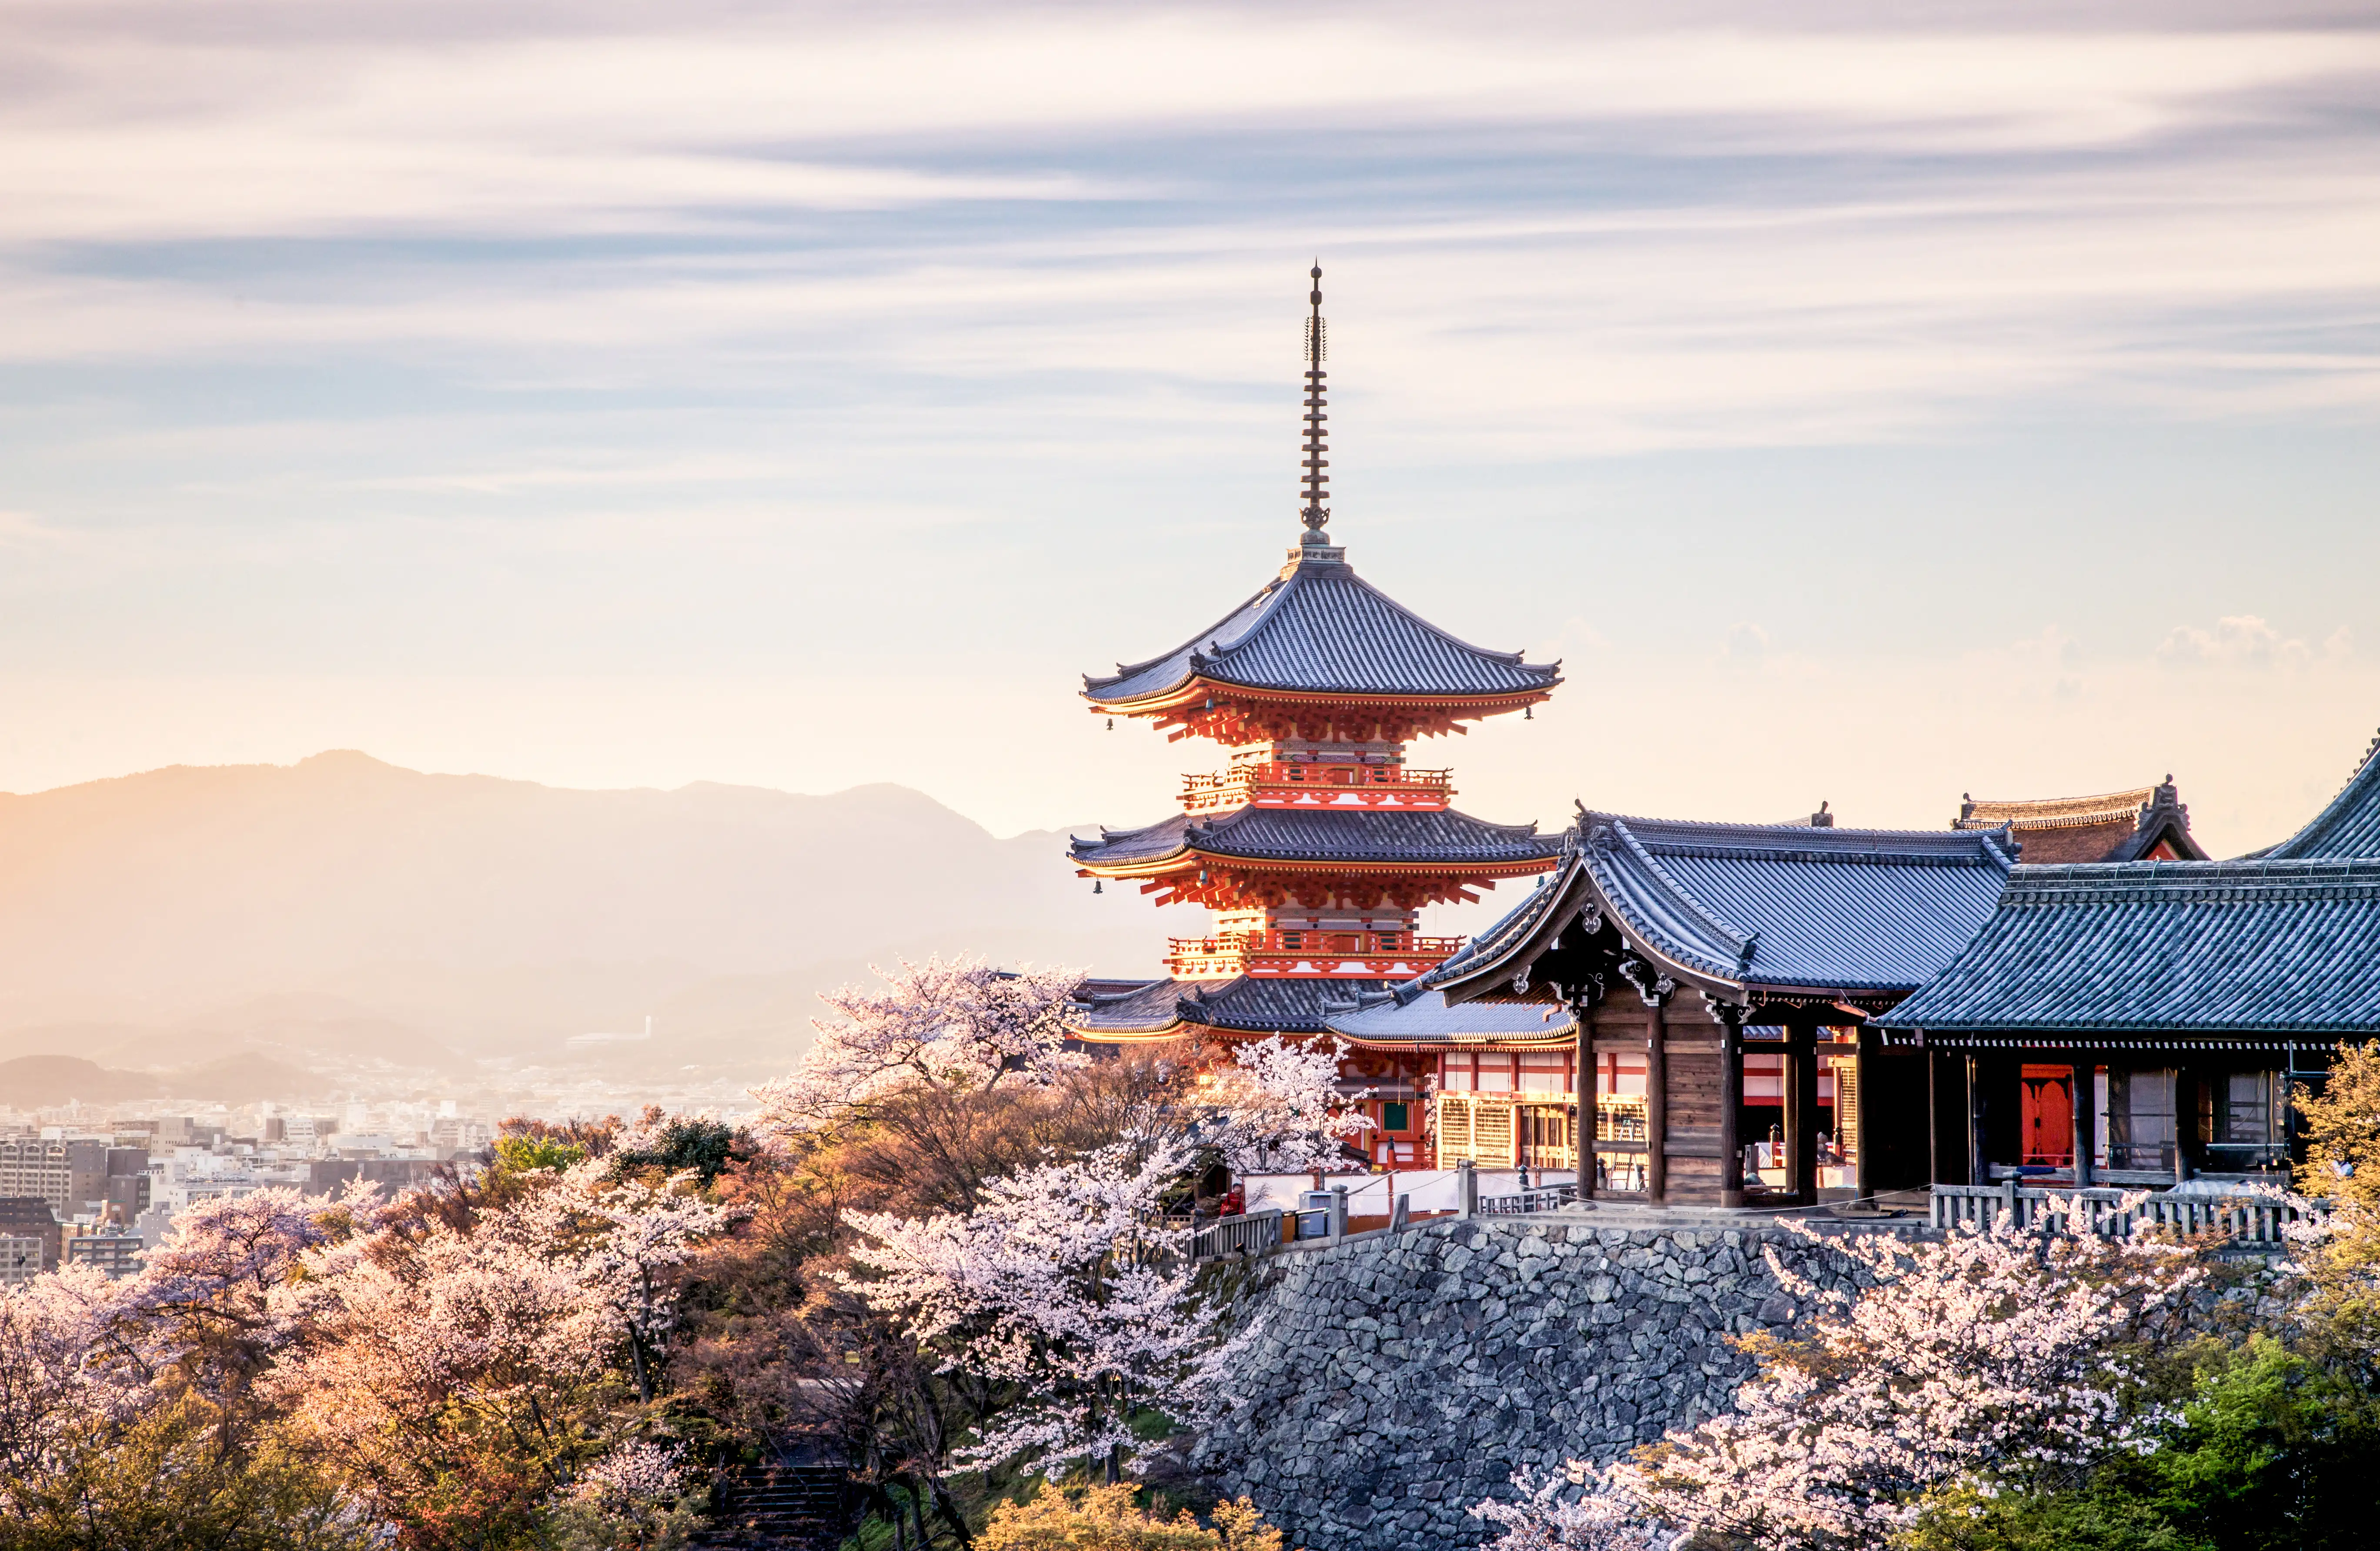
(1317, 482)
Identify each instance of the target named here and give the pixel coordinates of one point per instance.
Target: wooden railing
(1312, 944)
(1288, 780)
(2245, 1219)
(1250, 1234)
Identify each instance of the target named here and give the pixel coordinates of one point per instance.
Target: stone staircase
(783, 1507)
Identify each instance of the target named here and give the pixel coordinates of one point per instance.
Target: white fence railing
(1544, 1198)
(2247, 1219)
(1249, 1235)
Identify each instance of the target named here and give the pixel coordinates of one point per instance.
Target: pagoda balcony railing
(1375, 955)
(1317, 783)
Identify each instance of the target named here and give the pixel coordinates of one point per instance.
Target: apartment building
(69, 1173)
(20, 1258)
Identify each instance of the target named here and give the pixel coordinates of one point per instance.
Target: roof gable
(1761, 905)
(1780, 907)
(2111, 826)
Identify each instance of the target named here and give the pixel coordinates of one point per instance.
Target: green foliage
(187, 1476)
(525, 1154)
(708, 1147)
(1110, 1518)
(2098, 1519)
(2274, 1452)
(579, 1526)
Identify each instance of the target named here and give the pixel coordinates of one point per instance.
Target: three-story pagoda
(1316, 845)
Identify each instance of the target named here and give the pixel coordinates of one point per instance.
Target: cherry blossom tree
(626, 1236)
(1281, 1107)
(464, 1368)
(1992, 1358)
(944, 1023)
(1065, 1283)
(1579, 1508)
(60, 1366)
(132, 1406)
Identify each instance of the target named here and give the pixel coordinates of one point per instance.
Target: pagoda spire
(1317, 441)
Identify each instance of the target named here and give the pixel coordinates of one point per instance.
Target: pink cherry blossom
(1065, 1282)
(1280, 1104)
(959, 1023)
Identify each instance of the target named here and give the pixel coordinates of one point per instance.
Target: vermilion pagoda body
(1316, 846)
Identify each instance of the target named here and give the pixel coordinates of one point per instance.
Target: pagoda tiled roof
(2349, 827)
(1319, 628)
(1784, 907)
(2277, 947)
(1437, 836)
(1243, 1005)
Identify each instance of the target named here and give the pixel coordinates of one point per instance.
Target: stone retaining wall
(1393, 1380)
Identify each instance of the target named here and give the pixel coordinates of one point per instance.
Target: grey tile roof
(1422, 837)
(1324, 629)
(1146, 1010)
(2349, 827)
(2169, 947)
(1245, 1005)
(1763, 905)
(1427, 1019)
(1851, 909)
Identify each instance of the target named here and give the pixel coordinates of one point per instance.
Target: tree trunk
(917, 1517)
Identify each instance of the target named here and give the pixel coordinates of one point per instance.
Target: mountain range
(343, 910)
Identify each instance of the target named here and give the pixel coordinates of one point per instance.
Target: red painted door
(2048, 1115)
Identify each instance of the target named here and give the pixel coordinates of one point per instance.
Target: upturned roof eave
(1525, 850)
(1477, 980)
(1196, 686)
(1172, 862)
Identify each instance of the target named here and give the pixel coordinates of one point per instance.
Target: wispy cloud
(2245, 640)
(539, 338)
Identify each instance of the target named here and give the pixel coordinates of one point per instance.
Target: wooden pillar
(1582, 1084)
(1863, 1065)
(2085, 1107)
(1730, 1102)
(1656, 1102)
(1979, 1165)
(1937, 1152)
(1802, 1113)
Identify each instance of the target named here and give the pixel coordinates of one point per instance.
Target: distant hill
(248, 1075)
(29, 1082)
(347, 909)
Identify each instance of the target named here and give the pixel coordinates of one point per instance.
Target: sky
(1867, 403)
